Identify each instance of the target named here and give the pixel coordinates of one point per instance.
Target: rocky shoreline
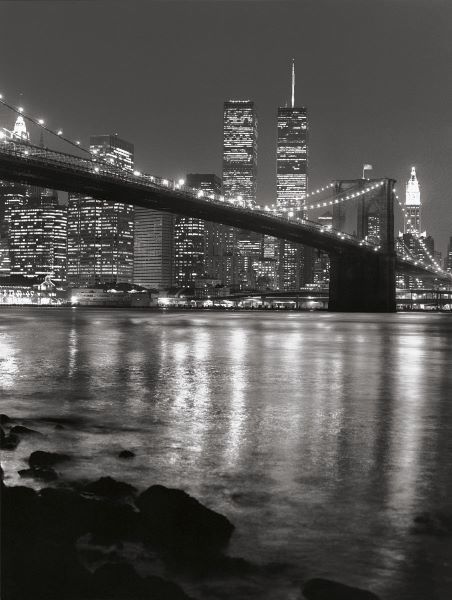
(72, 540)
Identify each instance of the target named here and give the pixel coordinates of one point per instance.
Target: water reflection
(320, 435)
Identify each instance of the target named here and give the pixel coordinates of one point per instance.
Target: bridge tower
(365, 283)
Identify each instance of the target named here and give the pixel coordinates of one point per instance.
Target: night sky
(375, 75)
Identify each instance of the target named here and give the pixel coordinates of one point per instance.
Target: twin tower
(240, 152)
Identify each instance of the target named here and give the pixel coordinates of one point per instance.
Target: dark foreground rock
(180, 522)
(40, 458)
(4, 419)
(120, 580)
(9, 442)
(39, 556)
(433, 523)
(108, 487)
(326, 589)
(22, 430)
(126, 454)
(41, 473)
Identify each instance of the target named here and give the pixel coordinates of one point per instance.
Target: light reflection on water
(319, 435)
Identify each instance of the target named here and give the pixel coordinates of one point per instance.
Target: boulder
(107, 487)
(326, 589)
(42, 473)
(40, 458)
(433, 523)
(176, 520)
(9, 442)
(126, 454)
(120, 580)
(22, 430)
(4, 419)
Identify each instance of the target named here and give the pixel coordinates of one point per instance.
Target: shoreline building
(295, 260)
(100, 233)
(242, 247)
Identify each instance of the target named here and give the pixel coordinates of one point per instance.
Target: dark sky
(376, 76)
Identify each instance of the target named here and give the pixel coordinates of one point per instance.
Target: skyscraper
(448, 259)
(100, 233)
(292, 154)
(153, 249)
(412, 205)
(198, 245)
(239, 185)
(240, 151)
(37, 238)
(32, 227)
(292, 187)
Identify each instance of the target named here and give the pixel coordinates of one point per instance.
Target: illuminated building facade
(412, 205)
(32, 227)
(292, 187)
(240, 151)
(37, 238)
(448, 259)
(239, 185)
(198, 245)
(100, 233)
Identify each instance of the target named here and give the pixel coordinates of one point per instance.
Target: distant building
(448, 259)
(153, 249)
(198, 245)
(37, 238)
(239, 185)
(292, 187)
(412, 222)
(32, 227)
(100, 233)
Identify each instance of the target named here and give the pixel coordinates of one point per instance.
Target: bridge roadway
(28, 164)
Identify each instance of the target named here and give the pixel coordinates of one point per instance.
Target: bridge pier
(362, 284)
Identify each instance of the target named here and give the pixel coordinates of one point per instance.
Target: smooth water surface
(319, 435)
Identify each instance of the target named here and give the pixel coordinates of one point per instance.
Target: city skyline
(342, 99)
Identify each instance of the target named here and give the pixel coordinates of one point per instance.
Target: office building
(198, 245)
(295, 260)
(37, 238)
(153, 249)
(239, 185)
(412, 207)
(448, 259)
(100, 233)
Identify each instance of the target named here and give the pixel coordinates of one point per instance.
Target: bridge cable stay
(346, 195)
(40, 123)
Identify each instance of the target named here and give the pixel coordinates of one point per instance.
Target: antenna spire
(293, 82)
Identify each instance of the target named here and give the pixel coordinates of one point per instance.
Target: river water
(319, 435)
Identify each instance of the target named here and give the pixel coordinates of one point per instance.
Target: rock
(4, 419)
(178, 521)
(434, 523)
(326, 589)
(9, 442)
(69, 515)
(126, 454)
(40, 458)
(21, 429)
(120, 580)
(58, 427)
(107, 487)
(42, 473)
